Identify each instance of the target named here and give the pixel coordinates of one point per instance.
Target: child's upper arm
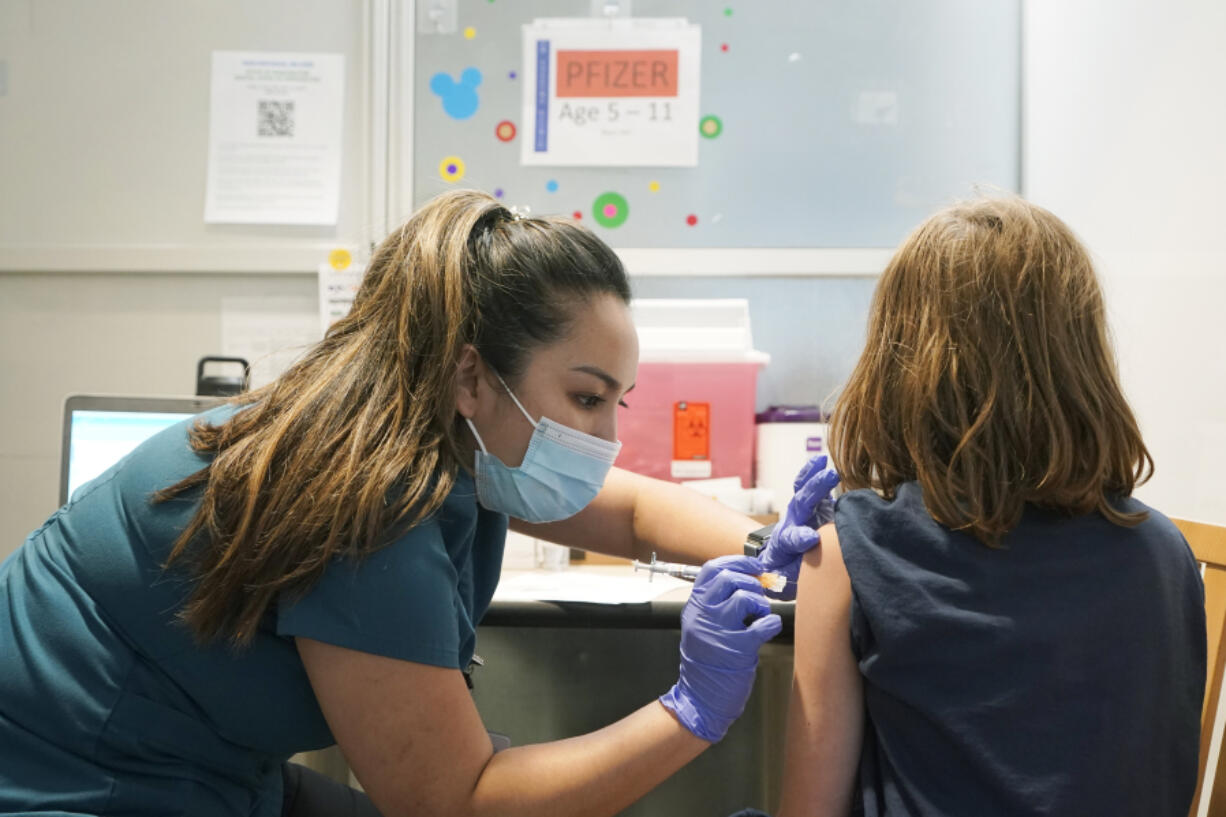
(826, 717)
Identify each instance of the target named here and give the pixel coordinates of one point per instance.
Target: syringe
(771, 581)
(677, 570)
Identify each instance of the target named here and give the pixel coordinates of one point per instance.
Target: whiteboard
(844, 123)
(104, 123)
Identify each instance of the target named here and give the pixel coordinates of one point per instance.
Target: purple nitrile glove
(719, 651)
(796, 533)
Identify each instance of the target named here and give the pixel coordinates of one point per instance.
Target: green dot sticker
(610, 210)
(710, 126)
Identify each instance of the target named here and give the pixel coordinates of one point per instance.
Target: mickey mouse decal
(459, 98)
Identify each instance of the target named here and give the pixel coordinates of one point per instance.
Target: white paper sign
(275, 138)
(601, 93)
(270, 332)
(338, 285)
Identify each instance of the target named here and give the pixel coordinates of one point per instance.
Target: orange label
(617, 73)
(691, 431)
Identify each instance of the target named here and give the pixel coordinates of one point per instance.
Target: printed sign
(611, 96)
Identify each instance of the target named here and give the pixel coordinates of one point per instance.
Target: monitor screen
(101, 430)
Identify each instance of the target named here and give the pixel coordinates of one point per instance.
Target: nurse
(308, 564)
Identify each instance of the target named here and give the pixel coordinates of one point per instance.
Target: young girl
(992, 625)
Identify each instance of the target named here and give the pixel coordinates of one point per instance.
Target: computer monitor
(100, 429)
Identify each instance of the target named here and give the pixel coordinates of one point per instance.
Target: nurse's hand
(796, 534)
(719, 651)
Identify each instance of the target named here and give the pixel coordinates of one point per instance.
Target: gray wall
(67, 333)
(142, 334)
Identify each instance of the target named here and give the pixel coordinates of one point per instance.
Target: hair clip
(519, 213)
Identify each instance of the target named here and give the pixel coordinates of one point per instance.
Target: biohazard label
(691, 431)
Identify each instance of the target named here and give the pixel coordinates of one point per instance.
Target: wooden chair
(1209, 545)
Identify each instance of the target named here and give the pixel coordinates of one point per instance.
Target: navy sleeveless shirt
(1059, 675)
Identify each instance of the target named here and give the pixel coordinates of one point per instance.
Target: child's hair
(988, 376)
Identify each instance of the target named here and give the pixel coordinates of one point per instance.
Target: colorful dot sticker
(710, 126)
(469, 33)
(728, 11)
(653, 186)
(724, 47)
(498, 192)
(552, 185)
(451, 169)
(505, 130)
(577, 215)
(512, 75)
(340, 259)
(691, 219)
(610, 210)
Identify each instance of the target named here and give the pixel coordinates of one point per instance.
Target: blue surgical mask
(562, 471)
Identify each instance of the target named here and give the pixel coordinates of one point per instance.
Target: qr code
(276, 117)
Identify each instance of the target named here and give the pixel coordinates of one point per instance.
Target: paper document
(270, 332)
(339, 280)
(602, 94)
(275, 138)
(594, 585)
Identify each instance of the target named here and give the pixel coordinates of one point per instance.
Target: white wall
(1125, 111)
(62, 334)
(1126, 107)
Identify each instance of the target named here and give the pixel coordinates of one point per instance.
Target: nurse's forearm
(634, 516)
(600, 773)
(678, 524)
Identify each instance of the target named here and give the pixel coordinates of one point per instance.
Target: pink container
(690, 420)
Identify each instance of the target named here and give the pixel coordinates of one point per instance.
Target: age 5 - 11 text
(611, 112)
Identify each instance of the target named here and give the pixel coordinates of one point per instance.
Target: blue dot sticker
(552, 185)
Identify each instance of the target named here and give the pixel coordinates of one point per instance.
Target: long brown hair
(988, 376)
(359, 440)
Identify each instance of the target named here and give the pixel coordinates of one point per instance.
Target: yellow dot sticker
(451, 169)
(469, 33)
(654, 187)
(340, 259)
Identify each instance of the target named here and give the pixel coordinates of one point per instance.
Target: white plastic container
(787, 437)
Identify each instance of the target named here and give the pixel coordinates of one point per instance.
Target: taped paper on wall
(602, 95)
(275, 138)
(338, 285)
(270, 332)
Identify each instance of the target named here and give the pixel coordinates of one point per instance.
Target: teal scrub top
(108, 705)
